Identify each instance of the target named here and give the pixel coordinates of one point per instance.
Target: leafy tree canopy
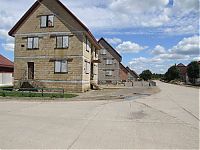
(193, 71)
(172, 73)
(146, 75)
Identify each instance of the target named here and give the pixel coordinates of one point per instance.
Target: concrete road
(168, 119)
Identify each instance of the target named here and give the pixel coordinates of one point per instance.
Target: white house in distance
(6, 71)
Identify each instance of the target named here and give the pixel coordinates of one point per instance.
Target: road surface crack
(87, 124)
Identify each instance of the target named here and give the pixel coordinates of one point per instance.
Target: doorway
(30, 70)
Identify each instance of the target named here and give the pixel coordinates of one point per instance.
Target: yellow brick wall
(44, 68)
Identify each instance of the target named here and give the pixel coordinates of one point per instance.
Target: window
(109, 73)
(33, 43)
(87, 67)
(109, 61)
(46, 21)
(61, 66)
(62, 42)
(95, 50)
(103, 51)
(88, 45)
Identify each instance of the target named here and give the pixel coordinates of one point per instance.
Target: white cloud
(185, 51)
(158, 50)
(182, 17)
(130, 47)
(154, 64)
(187, 4)
(169, 56)
(187, 46)
(196, 58)
(120, 14)
(113, 40)
(8, 46)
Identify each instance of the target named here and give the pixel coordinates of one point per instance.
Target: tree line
(173, 73)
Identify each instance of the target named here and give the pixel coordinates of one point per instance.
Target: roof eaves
(11, 32)
(111, 47)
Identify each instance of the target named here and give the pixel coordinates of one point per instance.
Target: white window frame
(32, 43)
(108, 72)
(62, 68)
(46, 23)
(62, 41)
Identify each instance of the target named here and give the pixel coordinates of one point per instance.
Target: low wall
(6, 79)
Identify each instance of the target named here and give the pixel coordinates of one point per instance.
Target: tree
(172, 73)
(146, 75)
(193, 71)
(157, 76)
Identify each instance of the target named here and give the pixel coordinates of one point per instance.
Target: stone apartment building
(54, 49)
(132, 75)
(111, 71)
(123, 73)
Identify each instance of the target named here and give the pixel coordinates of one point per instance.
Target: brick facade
(104, 67)
(76, 79)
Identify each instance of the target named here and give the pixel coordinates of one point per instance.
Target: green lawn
(4, 93)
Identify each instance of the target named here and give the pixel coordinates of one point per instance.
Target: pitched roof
(181, 65)
(122, 67)
(4, 62)
(132, 72)
(35, 5)
(113, 51)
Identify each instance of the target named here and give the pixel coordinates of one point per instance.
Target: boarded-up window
(61, 66)
(43, 22)
(109, 73)
(103, 51)
(33, 43)
(65, 41)
(109, 61)
(88, 45)
(87, 67)
(47, 21)
(62, 42)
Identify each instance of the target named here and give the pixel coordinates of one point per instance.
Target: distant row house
(111, 70)
(183, 73)
(54, 49)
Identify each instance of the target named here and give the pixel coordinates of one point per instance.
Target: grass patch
(34, 94)
(9, 88)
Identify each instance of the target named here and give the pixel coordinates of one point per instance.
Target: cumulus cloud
(154, 64)
(8, 46)
(158, 50)
(187, 46)
(130, 47)
(184, 51)
(181, 17)
(113, 40)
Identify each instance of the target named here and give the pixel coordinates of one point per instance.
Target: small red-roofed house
(6, 71)
(182, 71)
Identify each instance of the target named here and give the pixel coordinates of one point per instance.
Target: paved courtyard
(168, 119)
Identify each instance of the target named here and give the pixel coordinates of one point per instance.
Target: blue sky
(149, 34)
